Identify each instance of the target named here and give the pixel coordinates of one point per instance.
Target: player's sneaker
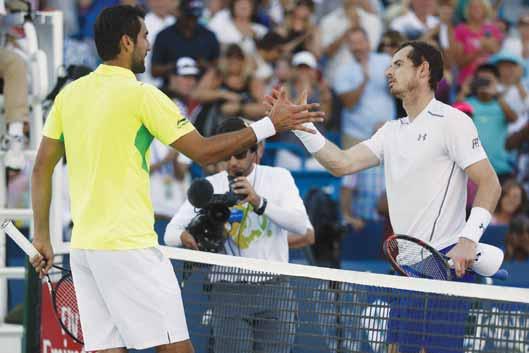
(14, 147)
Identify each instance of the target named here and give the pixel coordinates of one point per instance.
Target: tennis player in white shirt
(428, 157)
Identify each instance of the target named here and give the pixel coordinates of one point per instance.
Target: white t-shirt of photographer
(253, 236)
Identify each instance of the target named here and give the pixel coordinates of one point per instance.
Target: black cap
(191, 8)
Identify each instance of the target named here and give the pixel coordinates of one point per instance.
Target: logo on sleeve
(475, 143)
(182, 122)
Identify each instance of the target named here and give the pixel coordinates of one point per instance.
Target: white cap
(305, 58)
(186, 66)
(488, 259)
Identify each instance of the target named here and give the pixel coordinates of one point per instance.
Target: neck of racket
(23, 243)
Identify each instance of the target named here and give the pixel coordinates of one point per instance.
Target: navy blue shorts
(428, 320)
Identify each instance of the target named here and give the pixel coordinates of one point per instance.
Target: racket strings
(67, 308)
(417, 261)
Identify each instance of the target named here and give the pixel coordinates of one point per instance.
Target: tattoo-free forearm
(339, 162)
(488, 194)
(41, 189)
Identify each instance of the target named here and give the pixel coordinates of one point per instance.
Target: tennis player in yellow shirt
(104, 123)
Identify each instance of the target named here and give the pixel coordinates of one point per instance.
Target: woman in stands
(513, 201)
(233, 86)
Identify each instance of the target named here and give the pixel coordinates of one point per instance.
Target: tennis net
(236, 304)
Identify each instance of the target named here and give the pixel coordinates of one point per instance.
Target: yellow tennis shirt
(107, 121)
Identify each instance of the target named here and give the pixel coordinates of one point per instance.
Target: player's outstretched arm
(343, 162)
(283, 116)
(337, 161)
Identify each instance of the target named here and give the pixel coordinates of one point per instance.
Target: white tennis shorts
(127, 298)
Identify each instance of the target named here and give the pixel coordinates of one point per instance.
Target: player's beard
(138, 63)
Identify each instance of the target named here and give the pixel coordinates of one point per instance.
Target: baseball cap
(305, 58)
(187, 66)
(191, 8)
(506, 56)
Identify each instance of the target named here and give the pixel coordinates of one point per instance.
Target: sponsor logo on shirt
(182, 122)
(475, 143)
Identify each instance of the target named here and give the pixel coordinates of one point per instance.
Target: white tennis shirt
(424, 163)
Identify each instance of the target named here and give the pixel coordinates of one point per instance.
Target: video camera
(207, 227)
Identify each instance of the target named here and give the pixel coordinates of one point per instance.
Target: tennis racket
(413, 257)
(62, 293)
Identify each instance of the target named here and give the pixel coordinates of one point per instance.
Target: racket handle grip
(19, 239)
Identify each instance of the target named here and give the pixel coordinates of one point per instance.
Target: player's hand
(242, 186)
(286, 115)
(188, 241)
(42, 262)
(462, 255)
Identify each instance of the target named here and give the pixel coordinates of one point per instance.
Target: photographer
(270, 208)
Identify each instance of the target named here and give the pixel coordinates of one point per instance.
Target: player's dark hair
(112, 24)
(233, 124)
(421, 52)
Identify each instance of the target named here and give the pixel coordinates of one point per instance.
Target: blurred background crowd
(219, 58)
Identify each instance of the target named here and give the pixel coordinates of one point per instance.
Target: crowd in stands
(218, 59)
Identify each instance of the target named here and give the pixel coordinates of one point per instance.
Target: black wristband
(261, 209)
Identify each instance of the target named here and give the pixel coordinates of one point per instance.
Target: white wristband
(263, 128)
(477, 223)
(312, 142)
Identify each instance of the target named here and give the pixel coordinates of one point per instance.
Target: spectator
(269, 50)
(282, 73)
(363, 90)
(300, 31)
(418, 20)
(513, 202)
(182, 84)
(334, 29)
(13, 71)
(518, 140)
(186, 38)
(511, 71)
(517, 239)
(234, 26)
(443, 33)
(213, 7)
(305, 76)
(390, 42)
(491, 117)
(519, 44)
(160, 16)
(476, 39)
(271, 208)
(233, 87)
(270, 12)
